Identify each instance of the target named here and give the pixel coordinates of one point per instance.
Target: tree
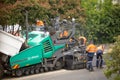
(113, 61)
(92, 16)
(102, 18)
(15, 13)
(8, 1)
(38, 9)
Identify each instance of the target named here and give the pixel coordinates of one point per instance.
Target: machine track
(35, 69)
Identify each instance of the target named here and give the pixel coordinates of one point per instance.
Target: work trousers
(89, 60)
(99, 61)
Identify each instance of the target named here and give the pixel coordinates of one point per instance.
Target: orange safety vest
(65, 33)
(83, 39)
(91, 48)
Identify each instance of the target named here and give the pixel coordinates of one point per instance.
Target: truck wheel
(58, 65)
(18, 73)
(1, 71)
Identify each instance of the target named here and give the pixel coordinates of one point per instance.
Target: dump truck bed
(9, 44)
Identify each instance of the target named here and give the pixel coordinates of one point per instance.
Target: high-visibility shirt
(65, 33)
(91, 48)
(83, 39)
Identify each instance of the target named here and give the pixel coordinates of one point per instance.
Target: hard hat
(40, 23)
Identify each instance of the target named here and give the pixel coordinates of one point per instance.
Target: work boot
(91, 69)
(101, 67)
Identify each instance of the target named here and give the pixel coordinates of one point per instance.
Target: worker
(40, 25)
(91, 49)
(99, 57)
(72, 42)
(82, 40)
(65, 33)
(61, 35)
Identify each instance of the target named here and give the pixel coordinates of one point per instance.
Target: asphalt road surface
(81, 74)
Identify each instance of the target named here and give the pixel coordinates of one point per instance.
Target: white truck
(9, 46)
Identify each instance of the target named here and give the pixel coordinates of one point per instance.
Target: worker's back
(82, 40)
(91, 48)
(65, 33)
(100, 49)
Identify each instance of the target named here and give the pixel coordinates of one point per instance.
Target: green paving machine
(41, 52)
(40, 55)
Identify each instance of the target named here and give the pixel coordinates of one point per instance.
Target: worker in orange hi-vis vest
(82, 40)
(91, 49)
(40, 25)
(65, 33)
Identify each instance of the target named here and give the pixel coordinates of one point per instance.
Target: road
(81, 74)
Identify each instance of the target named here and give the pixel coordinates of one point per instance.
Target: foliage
(113, 61)
(37, 9)
(8, 1)
(102, 20)
(99, 21)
